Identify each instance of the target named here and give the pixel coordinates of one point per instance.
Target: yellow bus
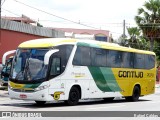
(65, 69)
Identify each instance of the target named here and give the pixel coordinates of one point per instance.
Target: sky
(93, 14)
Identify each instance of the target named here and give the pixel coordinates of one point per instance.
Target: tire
(40, 102)
(135, 95)
(108, 99)
(74, 96)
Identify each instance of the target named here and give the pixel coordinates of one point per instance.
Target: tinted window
(127, 60)
(99, 57)
(55, 67)
(82, 56)
(149, 61)
(86, 56)
(114, 58)
(64, 53)
(139, 61)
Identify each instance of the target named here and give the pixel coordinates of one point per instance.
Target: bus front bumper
(41, 95)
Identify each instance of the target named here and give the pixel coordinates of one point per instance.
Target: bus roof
(51, 42)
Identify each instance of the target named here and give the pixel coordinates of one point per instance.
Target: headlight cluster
(41, 88)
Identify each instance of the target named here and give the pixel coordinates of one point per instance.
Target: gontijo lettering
(130, 74)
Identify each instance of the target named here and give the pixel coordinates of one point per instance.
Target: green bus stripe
(32, 85)
(99, 79)
(87, 45)
(109, 77)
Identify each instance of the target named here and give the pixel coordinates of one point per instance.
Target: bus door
(54, 72)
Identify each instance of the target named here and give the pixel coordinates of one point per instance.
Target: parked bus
(65, 69)
(6, 67)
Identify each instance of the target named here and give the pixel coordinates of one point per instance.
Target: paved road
(146, 103)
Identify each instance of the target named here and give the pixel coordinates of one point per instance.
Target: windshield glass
(28, 65)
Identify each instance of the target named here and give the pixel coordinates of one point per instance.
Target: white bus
(65, 69)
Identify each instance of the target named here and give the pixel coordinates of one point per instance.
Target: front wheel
(74, 96)
(135, 95)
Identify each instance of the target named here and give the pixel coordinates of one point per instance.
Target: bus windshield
(28, 65)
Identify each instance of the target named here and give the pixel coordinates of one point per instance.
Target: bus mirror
(48, 54)
(5, 56)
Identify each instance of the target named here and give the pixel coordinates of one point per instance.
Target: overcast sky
(100, 14)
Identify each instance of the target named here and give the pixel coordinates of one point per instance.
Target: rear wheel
(40, 102)
(74, 96)
(135, 95)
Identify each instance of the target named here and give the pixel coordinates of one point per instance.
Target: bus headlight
(41, 88)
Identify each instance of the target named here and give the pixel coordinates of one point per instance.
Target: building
(15, 30)
(23, 19)
(100, 35)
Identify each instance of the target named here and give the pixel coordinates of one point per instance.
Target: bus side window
(82, 56)
(149, 61)
(99, 57)
(77, 57)
(127, 60)
(139, 61)
(114, 59)
(55, 67)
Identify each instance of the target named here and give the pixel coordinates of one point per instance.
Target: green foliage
(134, 40)
(148, 20)
(39, 25)
(157, 50)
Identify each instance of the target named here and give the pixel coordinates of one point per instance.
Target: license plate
(23, 96)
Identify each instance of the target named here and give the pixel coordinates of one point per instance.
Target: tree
(123, 41)
(135, 40)
(39, 25)
(134, 33)
(148, 20)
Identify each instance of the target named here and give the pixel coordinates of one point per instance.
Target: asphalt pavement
(4, 92)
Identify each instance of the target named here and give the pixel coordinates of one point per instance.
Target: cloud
(66, 5)
(85, 11)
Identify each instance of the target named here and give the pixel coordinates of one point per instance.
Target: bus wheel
(40, 102)
(108, 99)
(74, 96)
(135, 95)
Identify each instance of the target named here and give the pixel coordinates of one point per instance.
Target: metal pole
(124, 25)
(151, 43)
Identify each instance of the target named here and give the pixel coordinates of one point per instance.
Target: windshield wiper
(27, 72)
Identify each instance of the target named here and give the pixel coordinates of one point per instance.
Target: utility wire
(11, 12)
(46, 20)
(54, 15)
